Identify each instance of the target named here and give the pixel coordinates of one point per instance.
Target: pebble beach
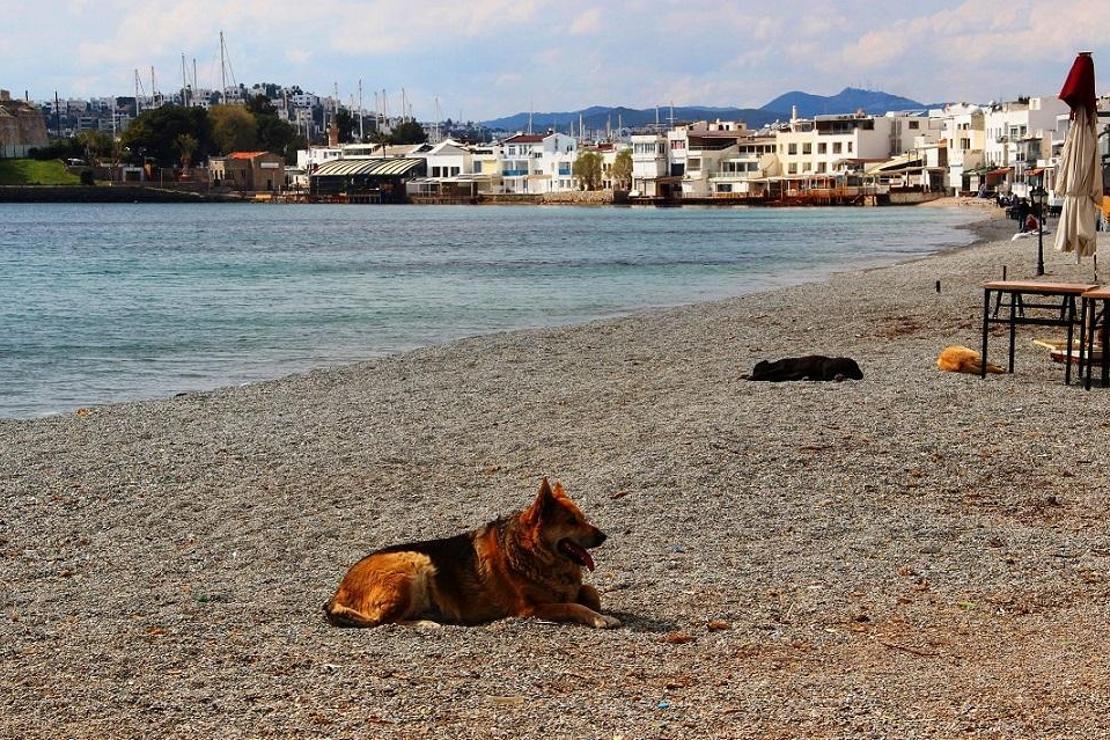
(917, 554)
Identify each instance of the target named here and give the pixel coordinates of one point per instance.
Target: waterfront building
(249, 171)
(1019, 133)
(650, 165)
(538, 163)
(754, 160)
(964, 132)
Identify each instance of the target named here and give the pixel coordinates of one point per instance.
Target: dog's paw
(605, 622)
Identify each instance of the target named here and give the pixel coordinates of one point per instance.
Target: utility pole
(361, 133)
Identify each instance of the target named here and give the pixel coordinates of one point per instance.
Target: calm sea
(103, 303)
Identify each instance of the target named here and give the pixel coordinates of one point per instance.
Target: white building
(649, 164)
(1018, 135)
(963, 130)
(538, 163)
(449, 159)
(755, 158)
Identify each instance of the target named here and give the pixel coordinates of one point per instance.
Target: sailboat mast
(223, 71)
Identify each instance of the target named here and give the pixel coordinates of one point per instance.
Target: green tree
(234, 128)
(274, 134)
(297, 142)
(153, 135)
(95, 144)
(409, 132)
(345, 122)
(260, 105)
(587, 169)
(622, 170)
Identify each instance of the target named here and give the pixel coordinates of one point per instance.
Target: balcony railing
(564, 171)
(515, 173)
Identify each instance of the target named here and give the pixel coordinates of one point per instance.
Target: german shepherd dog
(525, 565)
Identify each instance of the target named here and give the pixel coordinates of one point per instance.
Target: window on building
(915, 124)
(849, 147)
(821, 167)
(807, 148)
(725, 187)
(792, 149)
(836, 147)
(793, 168)
(822, 148)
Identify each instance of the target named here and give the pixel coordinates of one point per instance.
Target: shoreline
(981, 227)
(892, 556)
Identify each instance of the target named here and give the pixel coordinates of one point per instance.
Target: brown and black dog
(525, 565)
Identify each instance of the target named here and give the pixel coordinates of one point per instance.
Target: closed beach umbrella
(1079, 179)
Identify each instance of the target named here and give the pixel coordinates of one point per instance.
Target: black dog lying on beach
(810, 367)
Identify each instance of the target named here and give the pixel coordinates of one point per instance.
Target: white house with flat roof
(963, 130)
(649, 163)
(538, 163)
(1019, 133)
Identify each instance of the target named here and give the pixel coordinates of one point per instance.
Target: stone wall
(579, 197)
(22, 128)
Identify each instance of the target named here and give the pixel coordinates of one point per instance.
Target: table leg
(1083, 348)
(986, 330)
(1105, 359)
(1069, 301)
(1013, 328)
(1090, 329)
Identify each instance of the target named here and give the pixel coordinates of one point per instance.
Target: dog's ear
(544, 499)
(558, 492)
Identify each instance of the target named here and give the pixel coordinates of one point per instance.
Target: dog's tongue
(577, 553)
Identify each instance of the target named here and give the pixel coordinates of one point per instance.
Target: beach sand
(917, 554)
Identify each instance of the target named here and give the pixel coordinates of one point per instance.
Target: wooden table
(1061, 308)
(1093, 318)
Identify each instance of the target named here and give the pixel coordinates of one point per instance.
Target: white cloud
(483, 53)
(587, 23)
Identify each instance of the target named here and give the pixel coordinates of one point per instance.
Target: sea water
(102, 303)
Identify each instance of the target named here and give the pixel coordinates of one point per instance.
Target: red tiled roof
(525, 139)
(245, 155)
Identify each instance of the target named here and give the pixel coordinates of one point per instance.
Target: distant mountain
(597, 117)
(848, 100)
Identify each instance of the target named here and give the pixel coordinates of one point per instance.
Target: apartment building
(538, 163)
(649, 164)
(964, 132)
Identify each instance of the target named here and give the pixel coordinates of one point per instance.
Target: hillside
(34, 172)
(848, 100)
(597, 117)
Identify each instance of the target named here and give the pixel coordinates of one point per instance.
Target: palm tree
(186, 145)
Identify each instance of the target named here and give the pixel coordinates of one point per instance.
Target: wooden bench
(1061, 310)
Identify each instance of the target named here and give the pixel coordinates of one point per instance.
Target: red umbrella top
(1079, 87)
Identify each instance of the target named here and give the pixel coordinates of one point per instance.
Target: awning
(1000, 171)
(373, 167)
(1034, 172)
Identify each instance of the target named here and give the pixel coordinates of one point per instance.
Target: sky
(488, 58)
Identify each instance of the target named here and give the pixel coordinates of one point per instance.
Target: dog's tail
(342, 616)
